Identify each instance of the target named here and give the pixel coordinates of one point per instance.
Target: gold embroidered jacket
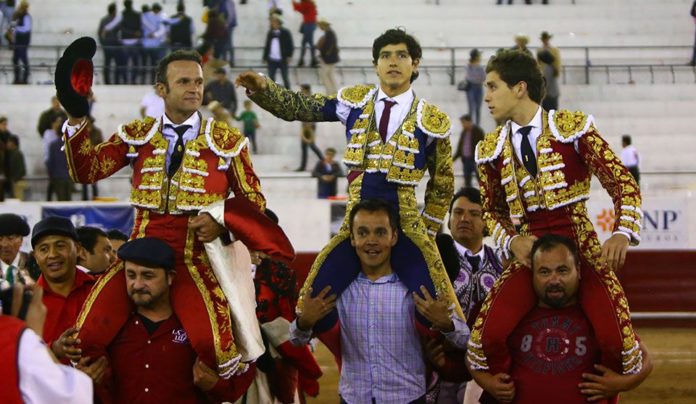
(569, 151)
(214, 163)
(421, 143)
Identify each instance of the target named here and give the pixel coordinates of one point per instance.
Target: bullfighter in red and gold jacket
(545, 188)
(175, 176)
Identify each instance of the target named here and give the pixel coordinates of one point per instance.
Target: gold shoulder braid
(432, 121)
(490, 147)
(356, 96)
(568, 126)
(225, 141)
(138, 132)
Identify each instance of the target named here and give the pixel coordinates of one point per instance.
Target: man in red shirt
(554, 349)
(151, 358)
(54, 241)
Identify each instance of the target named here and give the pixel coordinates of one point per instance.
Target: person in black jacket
(278, 50)
(328, 53)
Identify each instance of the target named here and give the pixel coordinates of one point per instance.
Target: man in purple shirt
(378, 342)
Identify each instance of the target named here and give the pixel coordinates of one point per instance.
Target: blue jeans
(308, 39)
(474, 98)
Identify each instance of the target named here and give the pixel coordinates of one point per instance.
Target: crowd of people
(410, 313)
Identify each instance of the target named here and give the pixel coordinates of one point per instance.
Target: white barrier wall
(669, 220)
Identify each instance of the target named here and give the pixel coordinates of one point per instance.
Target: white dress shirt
(43, 381)
(534, 134)
(629, 156)
(465, 252)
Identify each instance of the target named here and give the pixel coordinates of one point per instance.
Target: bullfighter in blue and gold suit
(393, 138)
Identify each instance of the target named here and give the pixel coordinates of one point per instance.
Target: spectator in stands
(7, 8)
(382, 361)
(153, 42)
(556, 331)
(181, 29)
(111, 48)
(30, 373)
(117, 239)
(216, 33)
(327, 172)
(228, 11)
(129, 26)
(65, 289)
(15, 168)
(473, 85)
(95, 137)
(48, 116)
(328, 53)
(250, 123)
(151, 105)
(546, 45)
(95, 252)
(59, 181)
(21, 28)
(13, 263)
(221, 90)
(521, 41)
(308, 9)
(4, 137)
(546, 62)
(471, 135)
(278, 49)
(630, 157)
(308, 135)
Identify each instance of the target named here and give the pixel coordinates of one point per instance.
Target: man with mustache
(554, 348)
(393, 138)
(152, 358)
(183, 166)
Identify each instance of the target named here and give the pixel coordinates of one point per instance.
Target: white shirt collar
(534, 123)
(463, 251)
(194, 120)
(404, 99)
(3, 266)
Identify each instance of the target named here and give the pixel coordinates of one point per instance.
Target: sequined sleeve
(617, 180)
(496, 212)
(89, 163)
(440, 187)
(294, 106)
(243, 179)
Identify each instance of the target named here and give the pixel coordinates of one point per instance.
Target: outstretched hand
(251, 81)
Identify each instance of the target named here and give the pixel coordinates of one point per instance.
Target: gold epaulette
(432, 121)
(568, 126)
(138, 132)
(356, 96)
(490, 147)
(225, 141)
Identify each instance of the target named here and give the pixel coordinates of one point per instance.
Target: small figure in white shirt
(630, 157)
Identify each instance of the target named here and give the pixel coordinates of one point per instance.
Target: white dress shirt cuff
(460, 336)
(299, 337)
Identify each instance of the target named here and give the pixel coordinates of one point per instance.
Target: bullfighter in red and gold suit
(545, 187)
(175, 176)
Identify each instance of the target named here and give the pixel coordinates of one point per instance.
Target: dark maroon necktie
(384, 121)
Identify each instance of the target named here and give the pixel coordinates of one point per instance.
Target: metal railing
(451, 60)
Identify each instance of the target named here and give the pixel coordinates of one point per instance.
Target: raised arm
(286, 104)
(89, 163)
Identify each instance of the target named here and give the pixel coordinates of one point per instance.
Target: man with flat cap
(140, 372)
(13, 263)
(54, 241)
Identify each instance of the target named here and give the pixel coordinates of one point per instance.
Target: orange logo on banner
(605, 220)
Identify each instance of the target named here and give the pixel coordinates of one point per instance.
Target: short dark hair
(306, 87)
(514, 66)
(111, 9)
(374, 205)
(115, 234)
(180, 8)
(465, 117)
(181, 54)
(88, 236)
(551, 241)
(3, 119)
(626, 139)
(470, 193)
(330, 150)
(14, 139)
(396, 36)
(220, 70)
